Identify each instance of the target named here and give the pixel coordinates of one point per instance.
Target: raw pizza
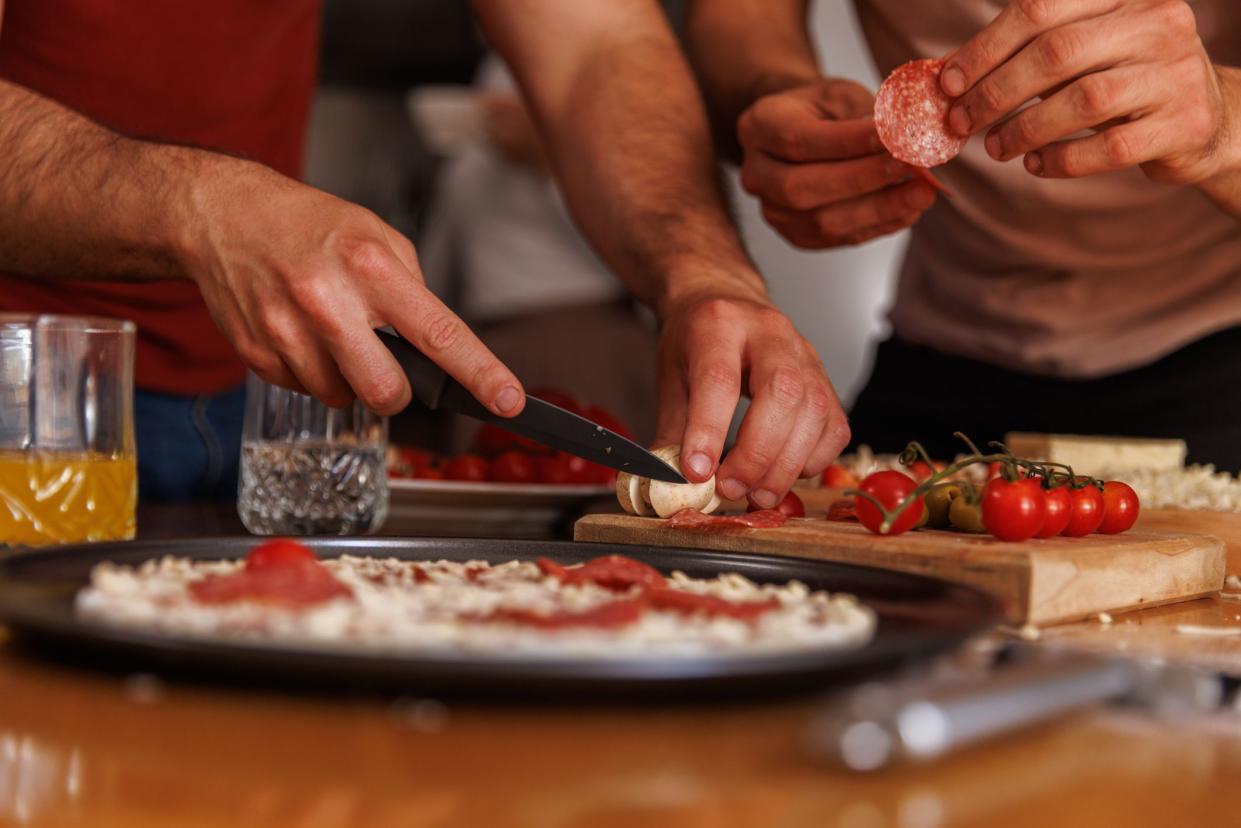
(608, 607)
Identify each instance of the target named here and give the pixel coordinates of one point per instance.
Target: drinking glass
(307, 469)
(68, 471)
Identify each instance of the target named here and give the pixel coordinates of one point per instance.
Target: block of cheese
(1089, 454)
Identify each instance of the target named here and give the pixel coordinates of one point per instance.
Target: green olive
(938, 500)
(965, 515)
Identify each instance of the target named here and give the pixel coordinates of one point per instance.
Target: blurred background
(415, 120)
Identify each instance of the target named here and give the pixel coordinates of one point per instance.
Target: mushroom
(641, 496)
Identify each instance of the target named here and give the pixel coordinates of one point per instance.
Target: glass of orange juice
(67, 464)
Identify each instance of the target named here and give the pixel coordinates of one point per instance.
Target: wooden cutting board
(1037, 582)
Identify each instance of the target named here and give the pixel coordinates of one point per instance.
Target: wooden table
(82, 748)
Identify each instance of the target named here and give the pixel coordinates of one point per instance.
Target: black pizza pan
(918, 617)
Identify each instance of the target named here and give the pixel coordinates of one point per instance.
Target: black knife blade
(541, 421)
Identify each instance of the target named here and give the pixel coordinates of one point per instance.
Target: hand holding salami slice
(911, 116)
(1132, 75)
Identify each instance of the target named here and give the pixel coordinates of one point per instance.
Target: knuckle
(385, 392)
(1177, 17)
(365, 256)
(1119, 147)
(773, 321)
(717, 376)
(442, 332)
(714, 312)
(1059, 48)
(1038, 12)
(989, 101)
(1095, 94)
(818, 402)
(789, 191)
(785, 387)
(839, 434)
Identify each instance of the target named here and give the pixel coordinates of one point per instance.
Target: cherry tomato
(837, 476)
(1120, 508)
(553, 469)
(278, 552)
(468, 467)
(1086, 513)
(790, 506)
(430, 473)
(417, 458)
(889, 488)
(604, 475)
(1013, 511)
(921, 470)
(512, 467)
(601, 416)
(1058, 509)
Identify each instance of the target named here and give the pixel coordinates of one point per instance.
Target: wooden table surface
(85, 748)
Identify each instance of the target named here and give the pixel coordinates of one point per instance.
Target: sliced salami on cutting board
(1037, 582)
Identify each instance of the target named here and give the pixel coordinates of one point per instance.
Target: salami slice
(694, 519)
(911, 115)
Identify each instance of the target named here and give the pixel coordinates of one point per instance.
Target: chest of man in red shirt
(230, 75)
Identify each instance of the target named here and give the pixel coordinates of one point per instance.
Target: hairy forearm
(629, 140)
(80, 201)
(742, 50)
(1224, 188)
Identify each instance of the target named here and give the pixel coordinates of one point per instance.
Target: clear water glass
(307, 469)
(68, 469)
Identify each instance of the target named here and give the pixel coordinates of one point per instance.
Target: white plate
(449, 508)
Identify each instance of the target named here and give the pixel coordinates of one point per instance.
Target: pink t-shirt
(1070, 278)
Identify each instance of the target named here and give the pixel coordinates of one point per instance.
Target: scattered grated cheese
(1232, 582)
(1105, 619)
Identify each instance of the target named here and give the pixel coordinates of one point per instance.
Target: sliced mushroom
(669, 498)
(629, 495)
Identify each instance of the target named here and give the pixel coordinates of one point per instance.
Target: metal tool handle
(873, 727)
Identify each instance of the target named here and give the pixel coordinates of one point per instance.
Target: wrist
(700, 281)
(1226, 173)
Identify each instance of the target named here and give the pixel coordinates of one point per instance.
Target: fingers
(1051, 59)
(436, 331)
(714, 377)
(1090, 101)
(832, 441)
(1115, 148)
(819, 408)
(779, 380)
(806, 186)
(786, 128)
(1019, 23)
(854, 220)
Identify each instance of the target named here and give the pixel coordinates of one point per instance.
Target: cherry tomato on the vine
(790, 506)
(1086, 513)
(1120, 508)
(1057, 509)
(1013, 511)
(889, 488)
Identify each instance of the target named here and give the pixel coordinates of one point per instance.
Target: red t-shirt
(233, 75)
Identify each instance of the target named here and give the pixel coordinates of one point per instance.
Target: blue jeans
(189, 448)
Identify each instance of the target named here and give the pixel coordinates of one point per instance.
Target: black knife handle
(427, 379)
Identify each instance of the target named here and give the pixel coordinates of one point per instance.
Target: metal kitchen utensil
(548, 424)
(919, 719)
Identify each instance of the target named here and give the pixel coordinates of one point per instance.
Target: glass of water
(307, 469)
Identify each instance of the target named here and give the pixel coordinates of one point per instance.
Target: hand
(298, 280)
(812, 156)
(711, 347)
(1134, 71)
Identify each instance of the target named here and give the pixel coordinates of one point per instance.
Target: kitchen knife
(541, 421)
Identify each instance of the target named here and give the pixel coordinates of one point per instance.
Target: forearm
(742, 50)
(78, 200)
(1224, 188)
(629, 143)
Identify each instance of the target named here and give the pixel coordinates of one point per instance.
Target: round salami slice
(911, 115)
